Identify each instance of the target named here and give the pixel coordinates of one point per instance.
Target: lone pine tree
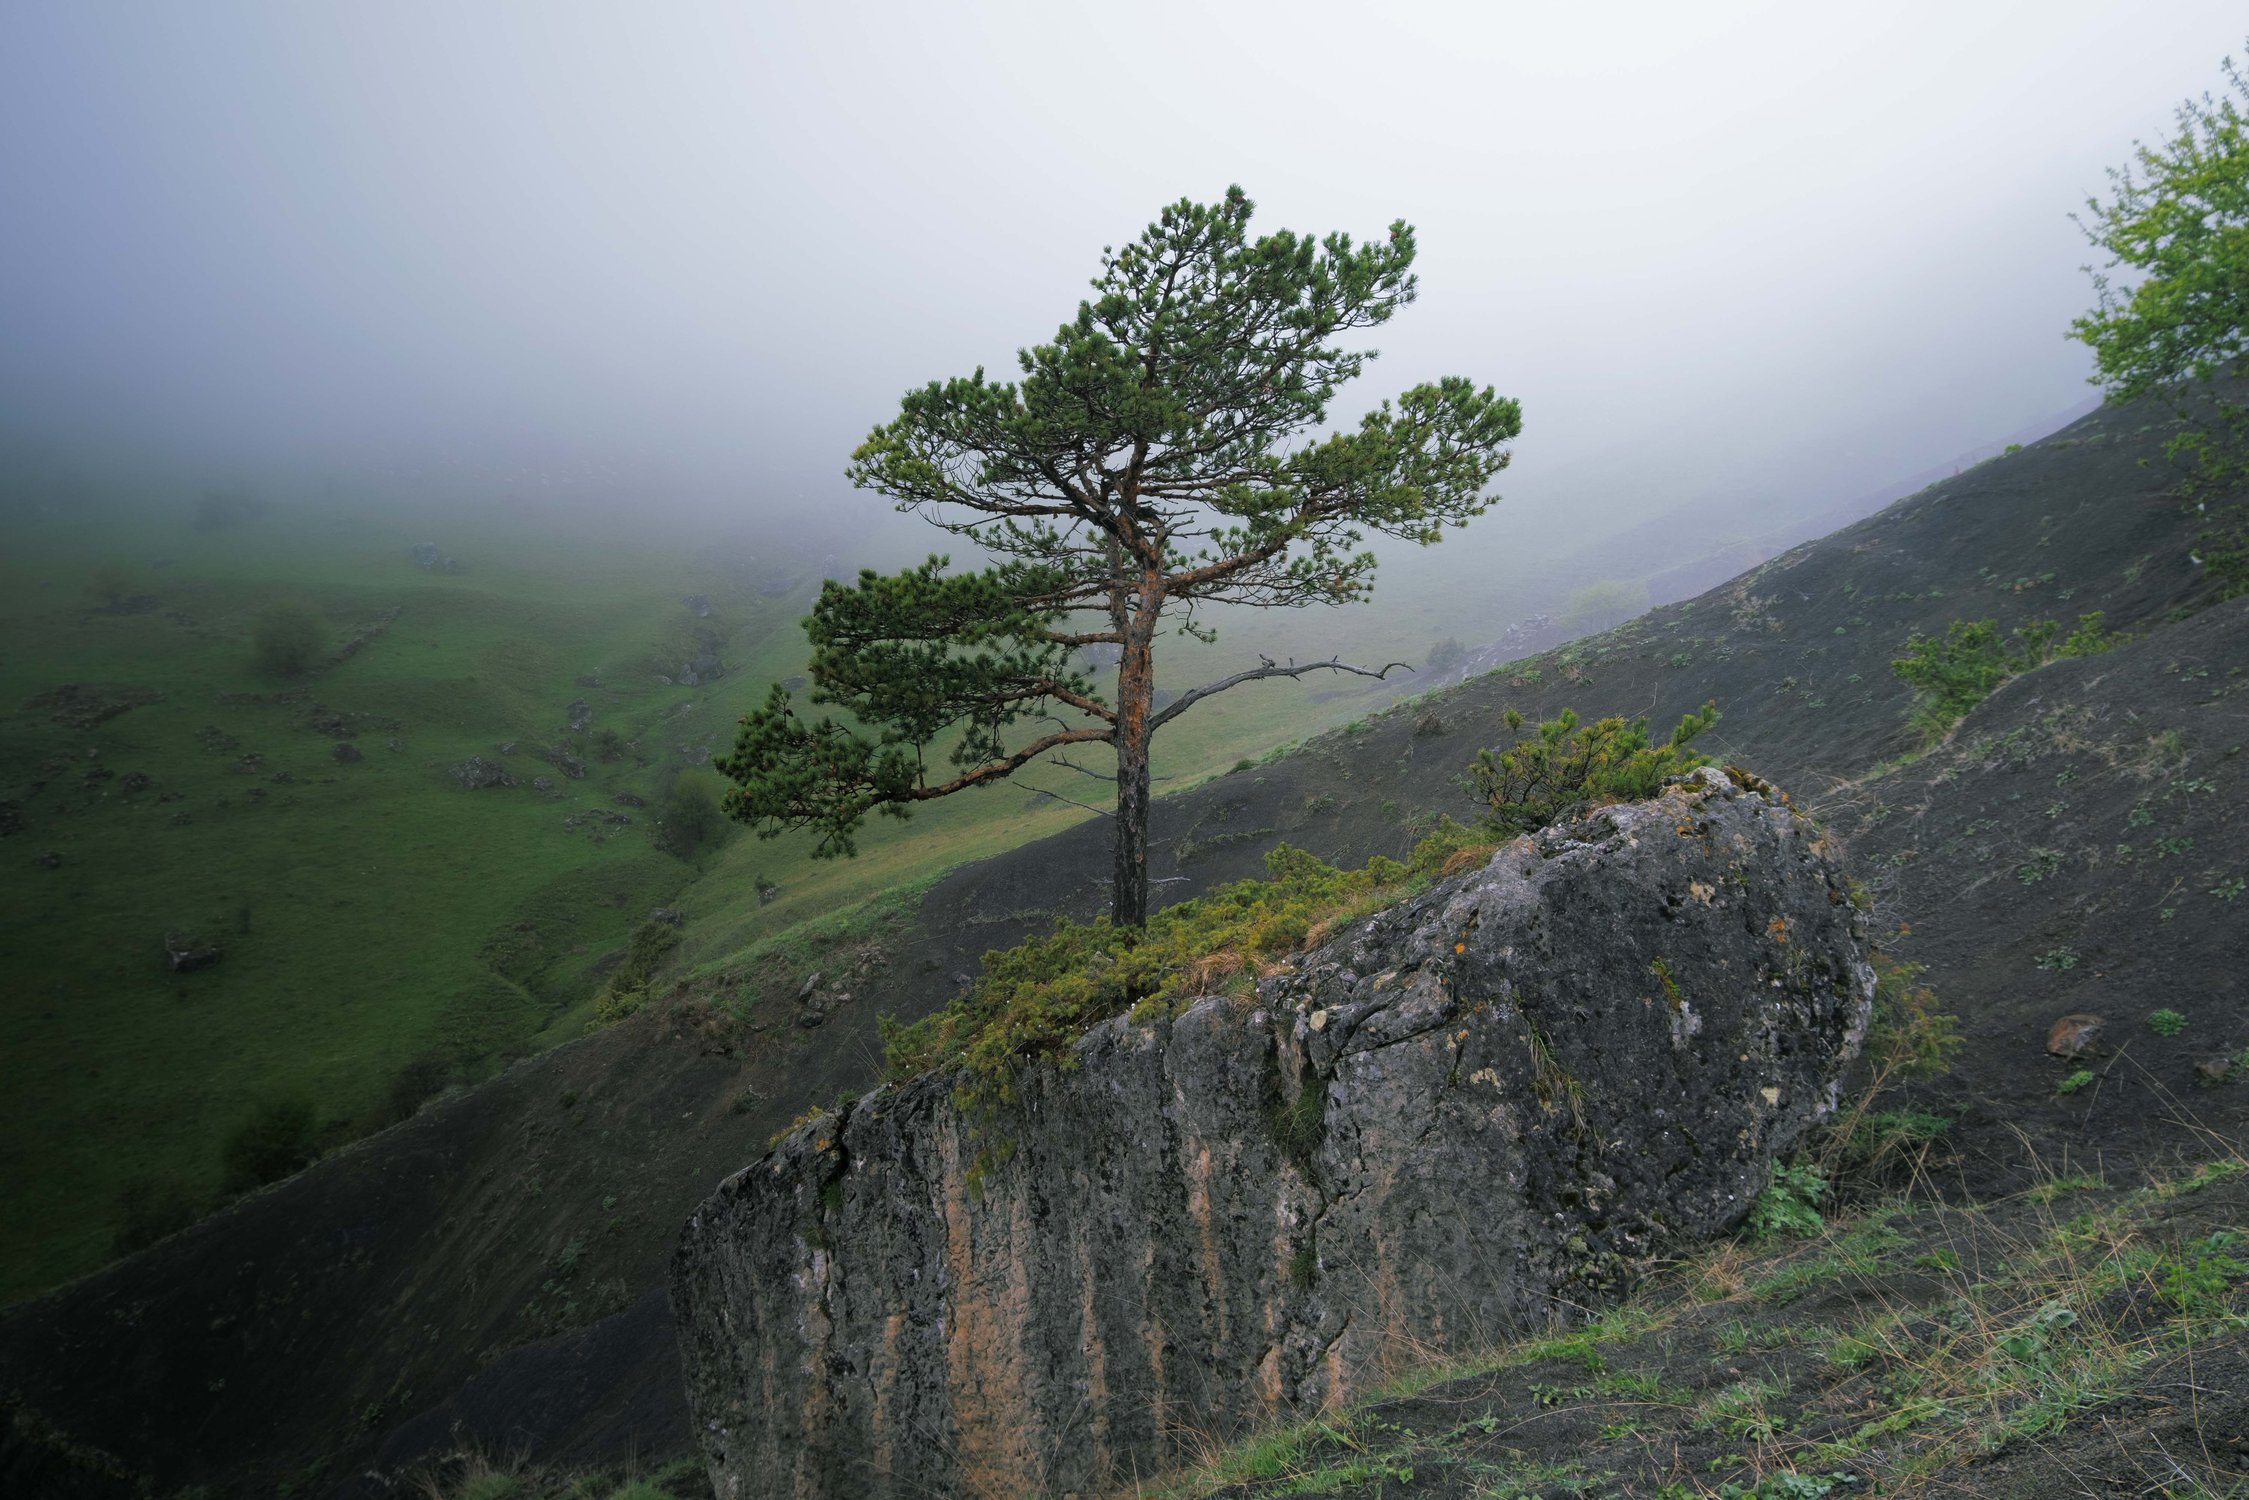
(1162, 453)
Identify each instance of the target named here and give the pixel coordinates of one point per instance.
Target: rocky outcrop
(477, 773)
(1470, 1112)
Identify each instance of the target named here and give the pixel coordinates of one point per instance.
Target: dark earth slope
(491, 1264)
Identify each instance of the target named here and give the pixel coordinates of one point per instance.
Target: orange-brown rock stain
(999, 1436)
(1198, 1166)
(884, 1378)
(1096, 1364)
(819, 1330)
(1269, 1392)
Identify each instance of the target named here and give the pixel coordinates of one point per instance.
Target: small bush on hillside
(279, 1138)
(627, 990)
(1959, 671)
(288, 640)
(1567, 767)
(691, 820)
(419, 1081)
(150, 1208)
(1876, 1141)
(1448, 848)
(1789, 1205)
(1908, 1037)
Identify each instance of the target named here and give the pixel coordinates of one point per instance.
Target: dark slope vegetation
(493, 1265)
(2077, 1339)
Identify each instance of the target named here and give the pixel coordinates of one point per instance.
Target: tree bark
(1129, 901)
(1136, 691)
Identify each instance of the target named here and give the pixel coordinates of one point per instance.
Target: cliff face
(1462, 1114)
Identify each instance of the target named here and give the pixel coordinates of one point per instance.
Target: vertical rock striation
(1464, 1114)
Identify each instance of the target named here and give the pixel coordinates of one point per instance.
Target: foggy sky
(702, 248)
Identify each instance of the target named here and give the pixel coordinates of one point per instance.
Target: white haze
(688, 254)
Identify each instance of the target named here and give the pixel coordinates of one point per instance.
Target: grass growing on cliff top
(1035, 999)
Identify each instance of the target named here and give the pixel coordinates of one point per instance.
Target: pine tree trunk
(1136, 691)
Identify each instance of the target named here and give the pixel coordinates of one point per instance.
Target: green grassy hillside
(375, 918)
(384, 930)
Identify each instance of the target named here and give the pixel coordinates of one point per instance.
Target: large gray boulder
(1463, 1117)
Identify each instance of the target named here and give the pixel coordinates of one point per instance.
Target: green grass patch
(1033, 1000)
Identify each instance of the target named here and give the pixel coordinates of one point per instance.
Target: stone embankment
(1457, 1119)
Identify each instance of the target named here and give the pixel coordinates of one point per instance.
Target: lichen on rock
(1465, 1115)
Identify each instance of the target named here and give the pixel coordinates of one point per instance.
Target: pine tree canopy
(1168, 449)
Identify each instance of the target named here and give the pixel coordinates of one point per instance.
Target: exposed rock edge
(1467, 1114)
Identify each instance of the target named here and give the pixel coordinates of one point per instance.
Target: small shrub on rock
(1566, 767)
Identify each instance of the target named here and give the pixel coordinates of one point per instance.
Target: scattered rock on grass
(186, 953)
(476, 773)
(2073, 1035)
(75, 706)
(346, 752)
